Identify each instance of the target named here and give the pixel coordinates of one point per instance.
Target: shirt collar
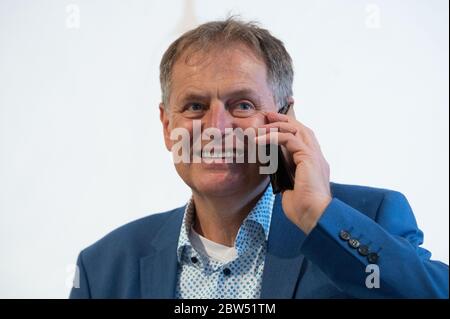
(261, 214)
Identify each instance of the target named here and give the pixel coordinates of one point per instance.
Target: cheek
(255, 122)
(179, 125)
(177, 121)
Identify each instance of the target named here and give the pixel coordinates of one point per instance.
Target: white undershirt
(211, 249)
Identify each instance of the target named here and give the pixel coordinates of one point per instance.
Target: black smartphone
(283, 178)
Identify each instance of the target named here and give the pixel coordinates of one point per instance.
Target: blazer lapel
(158, 270)
(283, 261)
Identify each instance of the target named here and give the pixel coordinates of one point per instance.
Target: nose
(218, 117)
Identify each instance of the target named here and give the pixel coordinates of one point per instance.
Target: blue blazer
(139, 260)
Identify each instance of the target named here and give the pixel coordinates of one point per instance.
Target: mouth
(216, 154)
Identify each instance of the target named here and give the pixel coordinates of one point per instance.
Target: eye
(244, 106)
(242, 109)
(194, 107)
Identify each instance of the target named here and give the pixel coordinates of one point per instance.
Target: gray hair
(280, 72)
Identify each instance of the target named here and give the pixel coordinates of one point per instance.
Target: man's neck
(219, 218)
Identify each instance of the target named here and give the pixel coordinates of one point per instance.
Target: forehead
(219, 68)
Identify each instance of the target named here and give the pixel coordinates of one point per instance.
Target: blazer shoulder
(365, 198)
(134, 238)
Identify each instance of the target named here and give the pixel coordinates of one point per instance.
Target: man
(235, 238)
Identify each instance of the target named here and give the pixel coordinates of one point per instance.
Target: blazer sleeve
(391, 242)
(80, 289)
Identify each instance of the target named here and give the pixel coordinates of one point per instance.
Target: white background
(81, 149)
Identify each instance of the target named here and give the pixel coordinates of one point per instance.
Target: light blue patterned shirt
(201, 277)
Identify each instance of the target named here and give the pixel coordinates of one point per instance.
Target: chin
(219, 183)
(219, 179)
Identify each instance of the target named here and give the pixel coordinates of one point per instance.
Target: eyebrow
(245, 92)
(239, 93)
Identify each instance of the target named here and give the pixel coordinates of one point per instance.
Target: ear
(164, 117)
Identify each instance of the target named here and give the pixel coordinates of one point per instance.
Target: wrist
(311, 216)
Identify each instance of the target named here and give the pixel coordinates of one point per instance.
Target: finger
(283, 127)
(294, 127)
(291, 142)
(307, 134)
(277, 117)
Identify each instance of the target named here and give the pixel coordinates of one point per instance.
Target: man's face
(223, 88)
